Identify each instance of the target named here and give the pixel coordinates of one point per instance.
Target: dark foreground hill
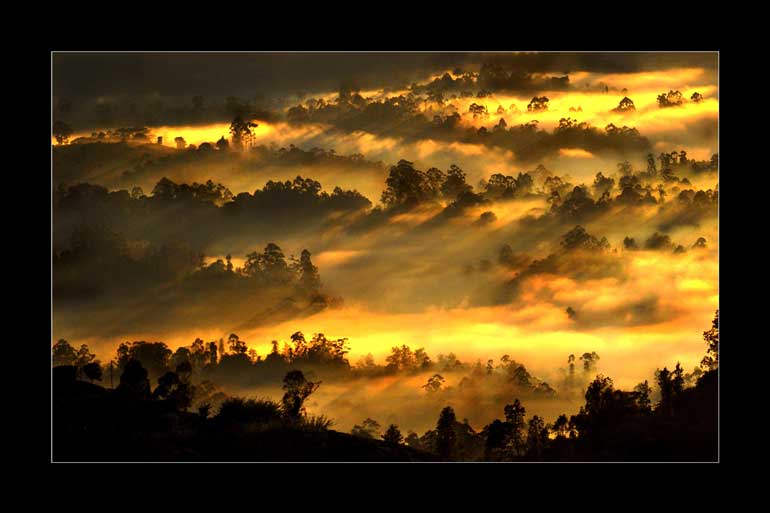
(92, 423)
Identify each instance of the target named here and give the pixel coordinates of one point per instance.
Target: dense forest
(174, 420)
(470, 257)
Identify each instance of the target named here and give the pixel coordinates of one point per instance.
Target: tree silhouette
(670, 99)
(514, 416)
(538, 104)
(240, 129)
(478, 110)
(308, 273)
(184, 370)
(93, 371)
(596, 394)
(561, 426)
(537, 437)
(369, 428)
(643, 392)
(62, 353)
(166, 384)
(625, 105)
(133, 380)
(236, 345)
(421, 359)
(154, 356)
(446, 440)
(589, 361)
(393, 435)
(84, 356)
(454, 185)
(666, 387)
(497, 433)
(61, 132)
(405, 184)
(434, 383)
(700, 244)
(297, 389)
(677, 381)
(212, 354)
(711, 360)
(630, 244)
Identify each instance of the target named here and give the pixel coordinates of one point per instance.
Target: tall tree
(393, 435)
(643, 392)
(240, 129)
(308, 273)
(666, 387)
(434, 383)
(711, 360)
(514, 416)
(497, 435)
(537, 436)
(237, 346)
(62, 353)
(446, 439)
(561, 426)
(296, 390)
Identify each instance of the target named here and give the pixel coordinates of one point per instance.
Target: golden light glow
(577, 153)
(649, 315)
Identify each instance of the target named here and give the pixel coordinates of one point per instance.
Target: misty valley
(480, 258)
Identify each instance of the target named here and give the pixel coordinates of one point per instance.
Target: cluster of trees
(404, 114)
(506, 374)
(111, 111)
(538, 104)
(82, 359)
(197, 366)
(625, 105)
(406, 185)
(295, 156)
(677, 99)
(213, 209)
(580, 255)
(661, 242)
(460, 85)
(167, 190)
(370, 429)
(677, 162)
(613, 424)
(501, 186)
(635, 188)
(409, 186)
(529, 143)
(175, 389)
(62, 132)
(99, 259)
(198, 214)
(492, 77)
(186, 376)
(232, 360)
